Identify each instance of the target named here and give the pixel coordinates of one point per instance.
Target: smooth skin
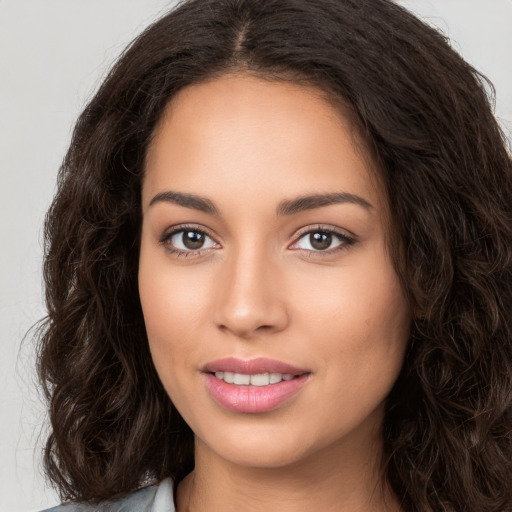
(241, 275)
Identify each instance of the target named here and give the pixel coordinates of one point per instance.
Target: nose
(250, 299)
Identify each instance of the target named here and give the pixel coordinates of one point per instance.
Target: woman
(279, 271)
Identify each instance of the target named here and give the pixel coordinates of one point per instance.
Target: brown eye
(320, 240)
(188, 240)
(192, 239)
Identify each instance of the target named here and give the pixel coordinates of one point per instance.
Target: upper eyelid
(344, 238)
(324, 228)
(187, 227)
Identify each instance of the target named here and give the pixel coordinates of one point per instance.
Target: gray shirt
(157, 498)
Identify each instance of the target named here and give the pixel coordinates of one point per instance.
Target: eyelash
(345, 241)
(166, 239)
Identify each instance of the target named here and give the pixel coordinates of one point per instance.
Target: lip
(253, 399)
(252, 366)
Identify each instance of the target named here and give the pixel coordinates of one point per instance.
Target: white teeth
(275, 378)
(259, 379)
(242, 379)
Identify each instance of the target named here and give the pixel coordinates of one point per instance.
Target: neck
(336, 480)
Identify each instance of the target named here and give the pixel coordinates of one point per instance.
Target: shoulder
(156, 498)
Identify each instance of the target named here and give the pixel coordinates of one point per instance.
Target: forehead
(256, 139)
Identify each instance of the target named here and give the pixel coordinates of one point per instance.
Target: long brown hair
(427, 121)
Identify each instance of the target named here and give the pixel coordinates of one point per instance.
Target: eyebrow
(286, 207)
(203, 204)
(300, 204)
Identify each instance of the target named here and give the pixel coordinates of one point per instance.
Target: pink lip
(252, 366)
(253, 399)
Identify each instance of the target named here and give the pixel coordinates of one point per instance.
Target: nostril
(246, 316)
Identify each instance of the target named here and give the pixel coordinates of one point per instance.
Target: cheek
(358, 321)
(164, 296)
(175, 306)
(169, 309)
(364, 302)
(361, 333)
(168, 334)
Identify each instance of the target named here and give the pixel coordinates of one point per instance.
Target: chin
(271, 457)
(262, 448)
(272, 446)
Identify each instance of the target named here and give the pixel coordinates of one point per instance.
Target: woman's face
(275, 318)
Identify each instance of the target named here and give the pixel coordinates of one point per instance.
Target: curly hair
(427, 120)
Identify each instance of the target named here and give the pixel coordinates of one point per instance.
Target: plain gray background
(53, 54)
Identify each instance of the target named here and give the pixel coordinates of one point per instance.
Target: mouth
(251, 367)
(254, 386)
(257, 379)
